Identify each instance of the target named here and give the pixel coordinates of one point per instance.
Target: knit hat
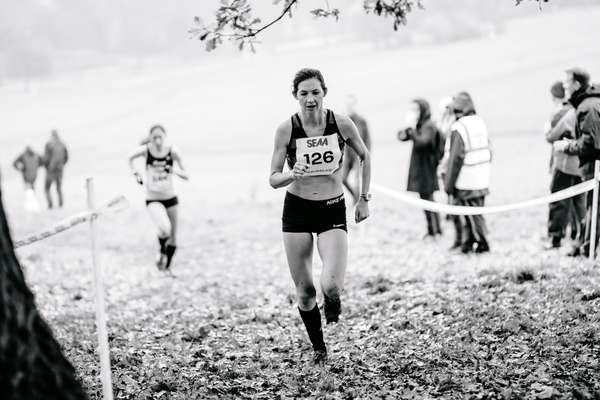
(558, 90)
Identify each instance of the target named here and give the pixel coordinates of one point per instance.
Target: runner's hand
(138, 178)
(561, 145)
(300, 170)
(362, 211)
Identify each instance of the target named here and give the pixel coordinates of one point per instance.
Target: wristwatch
(366, 196)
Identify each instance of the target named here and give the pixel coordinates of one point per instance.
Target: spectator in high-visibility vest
(585, 98)
(467, 178)
(565, 172)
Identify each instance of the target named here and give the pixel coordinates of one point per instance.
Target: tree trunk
(32, 365)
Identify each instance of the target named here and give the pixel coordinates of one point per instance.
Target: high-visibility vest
(475, 171)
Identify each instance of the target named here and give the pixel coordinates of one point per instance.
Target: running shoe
(319, 357)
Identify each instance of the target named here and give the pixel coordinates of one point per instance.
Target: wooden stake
(101, 328)
(594, 211)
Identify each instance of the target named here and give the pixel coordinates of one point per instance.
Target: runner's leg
(299, 249)
(333, 249)
(171, 245)
(159, 216)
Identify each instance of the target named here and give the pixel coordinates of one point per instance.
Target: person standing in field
(161, 200)
(312, 142)
(447, 118)
(565, 171)
(585, 98)
(468, 172)
(28, 164)
(56, 157)
(427, 151)
(351, 166)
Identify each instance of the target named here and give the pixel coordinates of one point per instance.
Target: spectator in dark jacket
(28, 164)
(585, 98)
(55, 158)
(467, 178)
(565, 171)
(426, 153)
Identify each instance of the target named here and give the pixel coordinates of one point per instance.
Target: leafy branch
(234, 19)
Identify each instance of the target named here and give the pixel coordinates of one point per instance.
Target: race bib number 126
(321, 153)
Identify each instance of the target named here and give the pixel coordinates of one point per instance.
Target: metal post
(594, 211)
(101, 328)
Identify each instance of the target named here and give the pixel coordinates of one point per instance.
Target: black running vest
(298, 132)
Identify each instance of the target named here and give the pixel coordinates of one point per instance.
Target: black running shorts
(318, 216)
(173, 201)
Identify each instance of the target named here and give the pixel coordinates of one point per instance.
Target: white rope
(116, 204)
(463, 210)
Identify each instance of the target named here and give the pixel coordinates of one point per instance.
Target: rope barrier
(463, 210)
(116, 204)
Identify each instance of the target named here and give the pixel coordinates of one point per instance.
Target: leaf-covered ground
(418, 322)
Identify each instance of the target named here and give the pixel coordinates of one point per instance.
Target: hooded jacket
(425, 155)
(587, 128)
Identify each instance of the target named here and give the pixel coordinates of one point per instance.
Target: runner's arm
(139, 152)
(181, 173)
(278, 178)
(352, 137)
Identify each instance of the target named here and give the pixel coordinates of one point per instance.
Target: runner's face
(157, 137)
(310, 95)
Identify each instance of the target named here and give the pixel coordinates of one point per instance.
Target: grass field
(418, 322)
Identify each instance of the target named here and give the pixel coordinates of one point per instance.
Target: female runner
(160, 194)
(312, 141)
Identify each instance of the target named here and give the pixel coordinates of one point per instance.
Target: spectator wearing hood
(585, 98)
(428, 145)
(467, 178)
(565, 171)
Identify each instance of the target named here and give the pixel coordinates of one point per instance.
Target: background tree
(235, 20)
(32, 365)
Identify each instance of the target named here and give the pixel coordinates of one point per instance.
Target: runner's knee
(331, 288)
(306, 294)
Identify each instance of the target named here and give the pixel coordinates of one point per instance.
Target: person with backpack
(467, 177)
(427, 151)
